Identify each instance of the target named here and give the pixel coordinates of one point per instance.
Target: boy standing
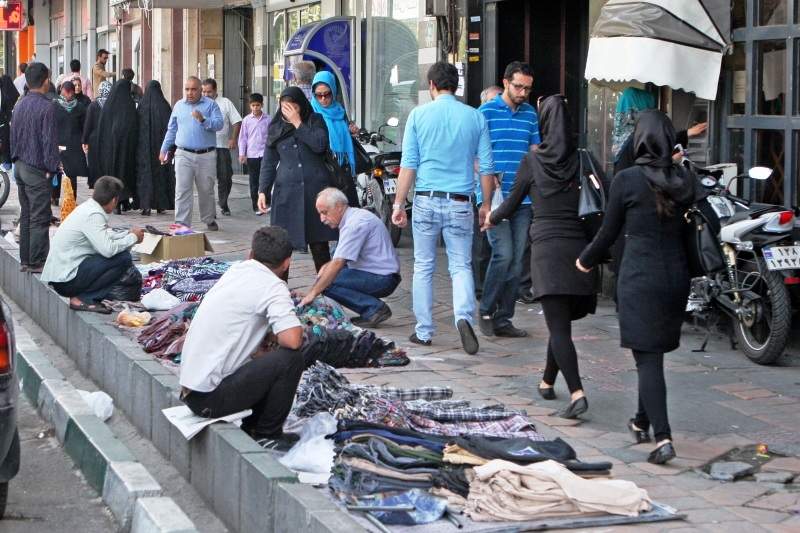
(252, 139)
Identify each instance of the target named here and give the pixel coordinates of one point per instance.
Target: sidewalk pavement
(718, 399)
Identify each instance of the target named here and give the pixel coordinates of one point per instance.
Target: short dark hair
(106, 188)
(102, 52)
(210, 81)
(256, 98)
(517, 67)
(444, 76)
(271, 245)
(128, 74)
(36, 74)
(68, 86)
(22, 67)
(74, 66)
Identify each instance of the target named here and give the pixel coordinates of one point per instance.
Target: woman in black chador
(117, 136)
(90, 130)
(646, 205)
(8, 98)
(156, 182)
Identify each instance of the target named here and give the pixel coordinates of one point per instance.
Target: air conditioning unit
(436, 8)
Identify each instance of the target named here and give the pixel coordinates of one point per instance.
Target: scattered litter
(313, 452)
(133, 319)
(189, 424)
(101, 403)
(217, 241)
(425, 358)
(160, 300)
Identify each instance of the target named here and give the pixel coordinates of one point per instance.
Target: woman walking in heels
(646, 204)
(550, 178)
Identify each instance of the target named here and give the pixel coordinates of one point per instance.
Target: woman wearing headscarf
(156, 182)
(550, 177)
(117, 135)
(297, 139)
(70, 117)
(90, 131)
(340, 130)
(646, 205)
(8, 99)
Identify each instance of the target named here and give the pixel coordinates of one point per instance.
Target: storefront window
(771, 12)
(771, 77)
(600, 123)
(769, 152)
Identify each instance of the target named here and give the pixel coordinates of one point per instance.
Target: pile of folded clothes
(165, 335)
(186, 279)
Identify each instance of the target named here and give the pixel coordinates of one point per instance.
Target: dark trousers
(561, 354)
(254, 172)
(652, 394)
(224, 176)
(360, 290)
(320, 253)
(35, 213)
(481, 254)
(95, 276)
(266, 385)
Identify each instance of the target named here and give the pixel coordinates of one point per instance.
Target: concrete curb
(106, 463)
(245, 485)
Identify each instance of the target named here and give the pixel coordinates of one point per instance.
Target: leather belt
(449, 195)
(201, 151)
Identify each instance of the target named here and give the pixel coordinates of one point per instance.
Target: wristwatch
(395, 207)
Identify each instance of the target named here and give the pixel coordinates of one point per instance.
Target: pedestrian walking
(340, 129)
(34, 151)
(99, 72)
(442, 139)
(293, 173)
(193, 124)
(227, 140)
(79, 94)
(550, 178)
(156, 182)
(90, 131)
(73, 74)
(70, 116)
(514, 130)
(136, 92)
(654, 275)
(252, 140)
(8, 99)
(117, 136)
(304, 72)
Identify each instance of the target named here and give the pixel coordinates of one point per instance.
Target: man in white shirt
(224, 369)
(19, 81)
(87, 257)
(227, 140)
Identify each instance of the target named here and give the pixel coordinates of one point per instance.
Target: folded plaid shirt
(459, 411)
(405, 395)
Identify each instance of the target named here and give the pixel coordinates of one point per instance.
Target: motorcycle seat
(755, 210)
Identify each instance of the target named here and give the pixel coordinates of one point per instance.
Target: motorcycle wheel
(763, 332)
(5, 187)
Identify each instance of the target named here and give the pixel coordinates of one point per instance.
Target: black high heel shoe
(146, 212)
(640, 435)
(662, 454)
(575, 409)
(548, 393)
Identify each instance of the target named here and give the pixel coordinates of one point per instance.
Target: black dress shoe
(575, 409)
(510, 331)
(640, 435)
(525, 299)
(548, 393)
(226, 211)
(381, 315)
(662, 454)
(212, 226)
(468, 339)
(416, 340)
(486, 325)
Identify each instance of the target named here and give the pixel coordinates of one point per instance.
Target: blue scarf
(336, 119)
(631, 102)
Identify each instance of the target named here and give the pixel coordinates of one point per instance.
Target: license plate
(390, 185)
(782, 257)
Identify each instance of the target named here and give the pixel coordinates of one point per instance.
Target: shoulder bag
(592, 196)
(703, 250)
(338, 176)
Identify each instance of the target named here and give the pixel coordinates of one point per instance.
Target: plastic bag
(159, 300)
(313, 452)
(100, 402)
(133, 319)
(67, 198)
(497, 198)
(128, 288)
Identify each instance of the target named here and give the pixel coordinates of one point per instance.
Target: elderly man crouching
(364, 267)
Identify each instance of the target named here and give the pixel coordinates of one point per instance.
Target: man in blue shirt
(192, 128)
(514, 130)
(442, 139)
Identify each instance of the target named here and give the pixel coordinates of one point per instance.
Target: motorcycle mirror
(760, 173)
(708, 182)
(393, 122)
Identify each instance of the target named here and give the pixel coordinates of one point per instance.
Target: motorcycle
(5, 186)
(759, 260)
(376, 189)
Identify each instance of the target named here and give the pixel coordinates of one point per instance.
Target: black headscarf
(557, 154)
(279, 128)
(653, 144)
(156, 182)
(9, 93)
(117, 137)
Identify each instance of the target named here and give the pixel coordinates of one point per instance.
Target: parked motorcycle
(757, 263)
(5, 186)
(376, 189)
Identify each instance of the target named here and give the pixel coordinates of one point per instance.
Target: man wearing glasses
(514, 130)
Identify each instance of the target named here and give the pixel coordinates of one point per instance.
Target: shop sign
(11, 17)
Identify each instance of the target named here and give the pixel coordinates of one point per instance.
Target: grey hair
(486, 91)
(332, 197)
(304, 71)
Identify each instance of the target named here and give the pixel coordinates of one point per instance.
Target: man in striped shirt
(514, 130)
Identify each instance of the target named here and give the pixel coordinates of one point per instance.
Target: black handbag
(363, 160)
(592, 195)
(338, 176)
(704, 253)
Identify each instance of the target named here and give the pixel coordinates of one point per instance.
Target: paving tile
(692, 449)
(556, 421)
(683, 503)
(752, 394)
(658, 470)
(489, 369)
(791, 525)
(734, 387)
(710, 515)
(780, 501)
(729, 494)
(787, 464)
(738, 526)
(759, 516)
(729, 440)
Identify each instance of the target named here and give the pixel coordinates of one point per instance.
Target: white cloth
(248, 301)
(229, 116)
(83, 233)
(19, 83)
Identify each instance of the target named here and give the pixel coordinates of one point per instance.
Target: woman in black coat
(156, 182)
(90, 131)
(550, 177)
(297, 139)
(8, 98)
(646, 205)
(117, 136)
(70, 115)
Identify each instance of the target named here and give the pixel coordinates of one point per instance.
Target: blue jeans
(96, 275)
(501, 284)
(359, 290)
(452, 220)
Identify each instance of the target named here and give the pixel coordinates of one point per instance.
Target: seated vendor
(364, 267)
(87, 257)
(223, 371)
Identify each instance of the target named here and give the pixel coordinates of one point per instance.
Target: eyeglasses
(323, 96)
(522, 88)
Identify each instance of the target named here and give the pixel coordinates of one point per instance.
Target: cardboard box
(161, 247)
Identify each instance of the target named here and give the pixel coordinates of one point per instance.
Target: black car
(9, 391)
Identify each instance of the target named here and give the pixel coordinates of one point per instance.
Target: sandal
(91, 308)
